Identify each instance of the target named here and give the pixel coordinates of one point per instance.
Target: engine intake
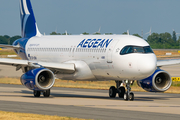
(38, 79)
(159, 81)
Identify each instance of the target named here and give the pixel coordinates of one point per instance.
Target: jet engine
(38, 79)
(159, 81)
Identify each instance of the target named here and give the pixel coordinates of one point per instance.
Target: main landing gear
(127, 95)
(46, 93)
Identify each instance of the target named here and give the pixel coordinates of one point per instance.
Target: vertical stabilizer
(28, 23)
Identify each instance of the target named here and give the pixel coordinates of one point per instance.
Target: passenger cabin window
(136, 49)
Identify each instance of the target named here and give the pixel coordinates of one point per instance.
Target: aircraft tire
(46, 93)
(126, 97)
(112, 92)
(121, 93)
(37, 93)
(131, 96)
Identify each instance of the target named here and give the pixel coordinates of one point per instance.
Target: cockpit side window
(148, 49)
(123, 51)
(130, 50)
(136, 49)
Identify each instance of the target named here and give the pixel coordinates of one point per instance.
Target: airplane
(121, 58)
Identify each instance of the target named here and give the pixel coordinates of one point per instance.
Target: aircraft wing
(168, 62)
(58, 67)
(10, 46)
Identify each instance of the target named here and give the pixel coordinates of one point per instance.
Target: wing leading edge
(161, 63)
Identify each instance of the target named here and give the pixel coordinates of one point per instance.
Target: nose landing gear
(46, 93)
(127, 95)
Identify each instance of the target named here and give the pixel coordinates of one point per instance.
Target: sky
(78, 16)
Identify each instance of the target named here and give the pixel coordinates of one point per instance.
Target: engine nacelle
(159, 81)
(38, 79)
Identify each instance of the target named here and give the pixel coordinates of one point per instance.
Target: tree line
(8, 40)
(156, 40)
(164, 41)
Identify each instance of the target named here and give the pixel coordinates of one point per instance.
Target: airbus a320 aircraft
(122, 58)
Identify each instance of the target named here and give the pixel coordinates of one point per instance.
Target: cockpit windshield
(136, 49)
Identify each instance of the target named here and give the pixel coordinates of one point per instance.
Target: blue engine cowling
(159, 81)
(38, 79)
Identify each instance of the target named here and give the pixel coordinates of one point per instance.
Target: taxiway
(90, 104)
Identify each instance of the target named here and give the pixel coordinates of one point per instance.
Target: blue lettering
(84, 46)
(91, 43)
(94, 46)
(94, 43)
(107, 43)
(81, 43)
(101, 43)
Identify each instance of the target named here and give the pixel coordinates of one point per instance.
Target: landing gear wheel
(112, 92)
(37, 93)
(126, 97)
(46, 93)
(121, 92)
(131, 96)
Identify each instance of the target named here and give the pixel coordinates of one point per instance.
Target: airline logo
(94, 43)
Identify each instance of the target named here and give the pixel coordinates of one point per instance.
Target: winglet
(28, 23)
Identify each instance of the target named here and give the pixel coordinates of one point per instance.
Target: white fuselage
(96, 57)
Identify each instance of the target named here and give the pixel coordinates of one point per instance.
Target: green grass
(176, 83)
(27, 116)
(7, 52)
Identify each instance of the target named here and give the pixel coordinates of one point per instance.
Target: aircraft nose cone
(147, 65)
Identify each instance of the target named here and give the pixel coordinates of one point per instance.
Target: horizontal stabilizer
(10, 46)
